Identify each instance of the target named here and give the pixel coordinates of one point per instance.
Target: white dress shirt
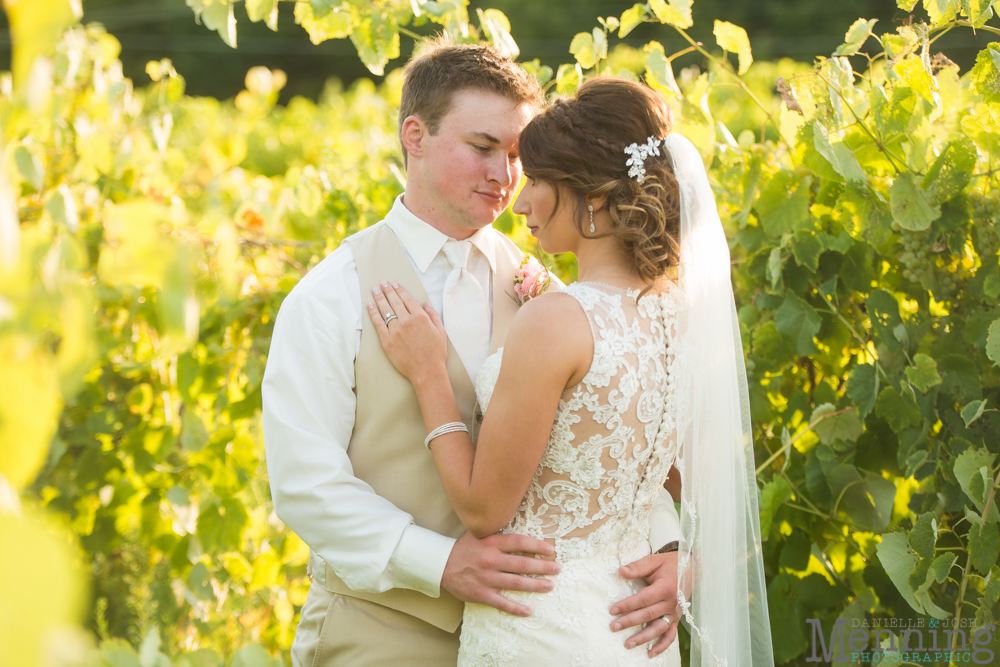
(309, 409)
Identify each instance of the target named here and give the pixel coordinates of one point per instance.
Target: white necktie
(466, 318)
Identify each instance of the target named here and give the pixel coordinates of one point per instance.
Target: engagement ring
(390, 317)
(667, 620)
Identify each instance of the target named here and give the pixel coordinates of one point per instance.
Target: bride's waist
(623, 548)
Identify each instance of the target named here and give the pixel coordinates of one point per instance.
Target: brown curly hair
(578, 145)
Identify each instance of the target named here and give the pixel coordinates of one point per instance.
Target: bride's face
(552, 226)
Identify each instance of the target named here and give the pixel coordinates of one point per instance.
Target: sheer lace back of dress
(614, 435)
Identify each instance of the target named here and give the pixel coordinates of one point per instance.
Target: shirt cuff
(419, 560)
(664, 524)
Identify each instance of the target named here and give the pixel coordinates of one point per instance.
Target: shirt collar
(422, 242)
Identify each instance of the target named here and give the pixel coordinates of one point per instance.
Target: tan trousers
(338, 631)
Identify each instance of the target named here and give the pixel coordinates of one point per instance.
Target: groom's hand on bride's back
(651, 604)
(478, 568)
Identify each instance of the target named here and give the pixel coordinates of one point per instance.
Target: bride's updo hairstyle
(578, 146)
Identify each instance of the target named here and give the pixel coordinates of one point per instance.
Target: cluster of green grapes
(918, 263)
(986, 222)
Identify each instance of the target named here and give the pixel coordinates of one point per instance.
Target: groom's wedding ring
(390, 317)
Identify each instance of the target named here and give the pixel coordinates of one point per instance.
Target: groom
(391, 564)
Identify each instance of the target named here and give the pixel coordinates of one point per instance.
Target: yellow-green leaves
(568, 78)
(899, 410)
(914, 73)
(856, 36)
(631, 17)
(942, 11)
(35, 28)
(973, 411)
(733, 39)
(862, 388)
(984, 545)
(984, 79)
(923, 374)
(29, 409)
(974, 472)
(220, 17)
(497, 29)
(376, 37)
(951, 171)
(40, 587)
(993, 343)
(335, 24)
(29, 166)
(898, 561)
(775, 493)
(137, 253)
(800, 322)
(978, 11)
(589, 48)
(659, 73)
(264, 10)
(911, 204)
(837, 153)
(843, 427)
(675, 12)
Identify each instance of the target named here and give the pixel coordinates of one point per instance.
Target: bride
(602, 387)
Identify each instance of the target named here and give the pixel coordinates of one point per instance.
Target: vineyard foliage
(147, 239)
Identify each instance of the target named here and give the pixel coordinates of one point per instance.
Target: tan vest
(387, 445)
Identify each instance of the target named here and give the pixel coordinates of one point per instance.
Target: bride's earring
(591, 209)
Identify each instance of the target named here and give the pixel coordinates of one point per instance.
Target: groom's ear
(412, 135)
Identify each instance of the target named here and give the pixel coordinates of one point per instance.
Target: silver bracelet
(450, 427)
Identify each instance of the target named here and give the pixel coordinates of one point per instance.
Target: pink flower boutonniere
(530, 280)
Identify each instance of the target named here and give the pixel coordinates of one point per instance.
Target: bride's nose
(522, 205)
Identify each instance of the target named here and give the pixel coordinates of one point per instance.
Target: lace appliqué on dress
(613, 441)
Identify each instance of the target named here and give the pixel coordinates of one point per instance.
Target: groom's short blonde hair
(439, 69)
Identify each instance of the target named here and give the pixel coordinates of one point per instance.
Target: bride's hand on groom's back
(651, 604)
(478, 568)
(413, 338)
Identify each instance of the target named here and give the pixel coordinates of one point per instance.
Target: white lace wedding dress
(612, 444)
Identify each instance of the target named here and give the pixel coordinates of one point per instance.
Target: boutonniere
(530, 280)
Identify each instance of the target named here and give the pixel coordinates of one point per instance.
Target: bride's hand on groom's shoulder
(650, 605)
(412, 336)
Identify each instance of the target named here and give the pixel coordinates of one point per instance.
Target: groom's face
(472, 163)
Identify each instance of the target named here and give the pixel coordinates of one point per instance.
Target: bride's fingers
(379, 322)
(410, 303)
(395, 302)
(380, 302)
(433, 314)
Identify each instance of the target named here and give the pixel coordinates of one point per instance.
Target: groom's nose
(504, 171)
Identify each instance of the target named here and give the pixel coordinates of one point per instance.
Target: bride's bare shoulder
(551, 309)
(551, 329)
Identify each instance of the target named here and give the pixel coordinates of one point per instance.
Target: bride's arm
(548, 348)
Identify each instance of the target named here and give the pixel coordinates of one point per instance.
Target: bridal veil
(721, 588)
